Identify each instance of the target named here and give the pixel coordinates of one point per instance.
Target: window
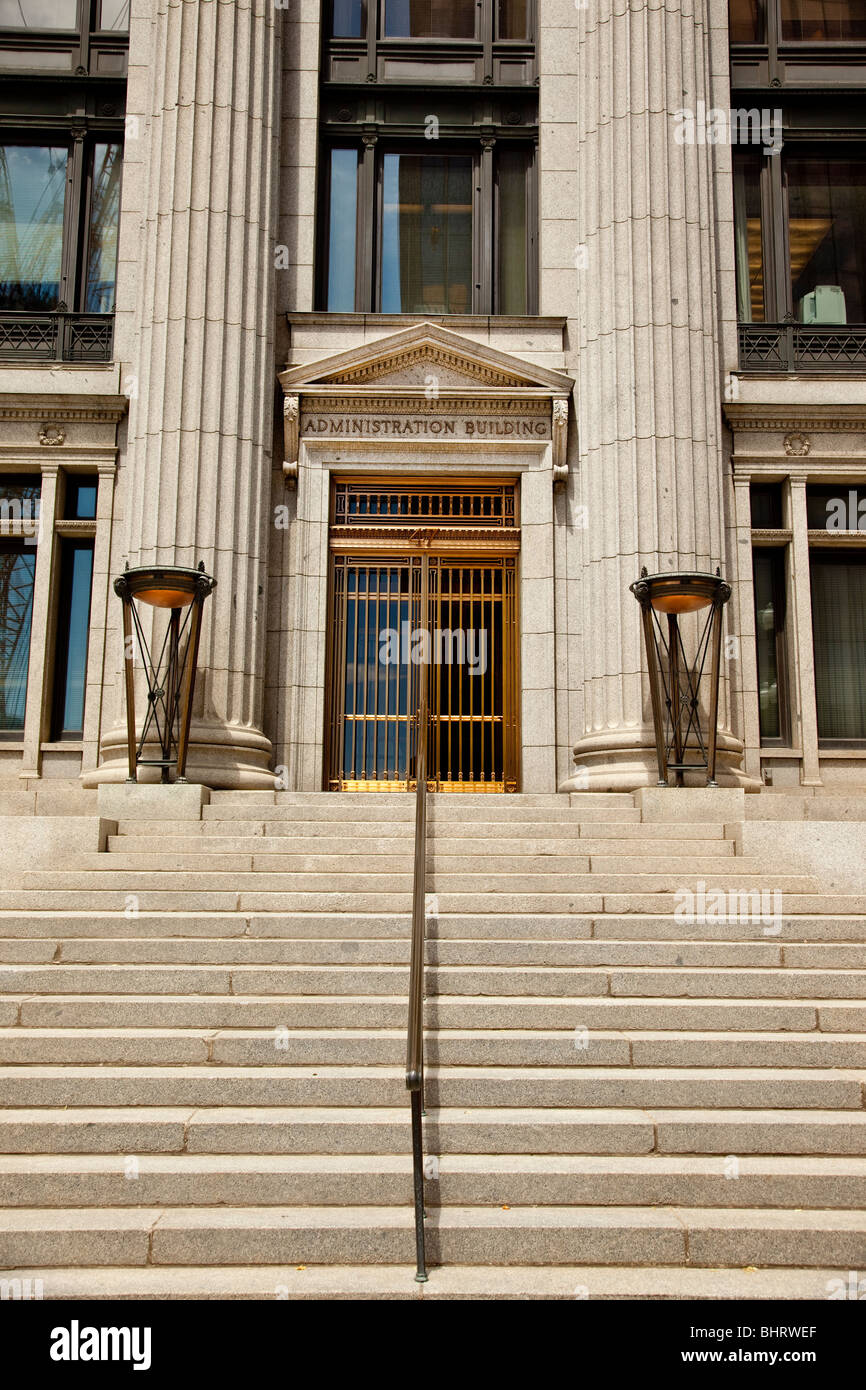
(429, 19)
(114, 15)
(766, 506)
(59, 210)
(424, 213)
(103, 211)
(39, 14)
(839, 634)
(768, 572)
(342, 229)
(426, 234)
(80, 498)
(71, 37)
(748, 230)
(817, 21)
(746, 20)
(60, 175)
(783, 26)
(449, 42)
(814, 219)
(836, 507)
(827, 255)
(17, 576)
(73, 627)
(513, 19)
(33, 180)
(434, 218)
(799, 68)
(801, 258)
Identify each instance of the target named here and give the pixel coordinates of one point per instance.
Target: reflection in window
(114, 15)
(769, 624)
(747, 230)
(17, 573)
(513, 19)
(812, 21)
(826, 216)
(20, 494)
(104, 216)
(349, 19)
(342, 229)
(427, 234)
(839, 630)
(512, 278)
(32, 203)
(429, 19)
(73, 625)
(746, 21)
(80, 502)
(38, 14)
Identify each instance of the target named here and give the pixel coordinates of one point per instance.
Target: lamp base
(622, 760)
(223, 756)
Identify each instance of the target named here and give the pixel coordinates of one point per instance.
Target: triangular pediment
(408, 359)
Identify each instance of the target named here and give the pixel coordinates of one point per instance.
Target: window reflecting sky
(39, 14)
(32, 199)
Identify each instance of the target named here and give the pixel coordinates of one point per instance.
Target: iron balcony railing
(797, 347)
(56, 336)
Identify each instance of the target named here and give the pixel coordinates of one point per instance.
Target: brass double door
(381, 631)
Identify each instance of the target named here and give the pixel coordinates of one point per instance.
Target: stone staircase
(202, 1033)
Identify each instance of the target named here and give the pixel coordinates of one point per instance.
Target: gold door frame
(471, 534)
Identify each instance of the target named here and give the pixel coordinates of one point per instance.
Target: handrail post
(415, 1030)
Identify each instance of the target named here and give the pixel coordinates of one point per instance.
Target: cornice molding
(815, 419)
(64, 409)
(422, 405)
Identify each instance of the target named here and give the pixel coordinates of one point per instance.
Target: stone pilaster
(201, 354)
(649, 407)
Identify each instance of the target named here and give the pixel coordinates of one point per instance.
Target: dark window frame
(773, 61)
(13, 545)
(78, 207)
(779, 343)
(78, 107)
(485, 226)
(778, 556)
(67, 544)
(775, 233)
(86, 44)
(833, 555)
(369, 52)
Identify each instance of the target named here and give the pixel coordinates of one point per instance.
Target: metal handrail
(415, 1029)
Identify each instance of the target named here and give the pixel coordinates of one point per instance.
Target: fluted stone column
(201, 427)
(649, 408)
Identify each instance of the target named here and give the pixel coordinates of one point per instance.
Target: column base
(223, 756)
(625, 759)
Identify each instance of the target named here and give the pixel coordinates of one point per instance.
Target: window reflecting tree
(17, 574)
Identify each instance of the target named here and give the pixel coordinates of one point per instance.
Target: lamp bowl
(683, 593)
(166, 586)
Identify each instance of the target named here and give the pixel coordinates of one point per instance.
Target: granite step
(509, 952)
(592, 1013)
(440, 846)
(567, 1085)
(449, 1282)
(382, 1130)
(451, 1047)
(202, 1180)
(495, 1235)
